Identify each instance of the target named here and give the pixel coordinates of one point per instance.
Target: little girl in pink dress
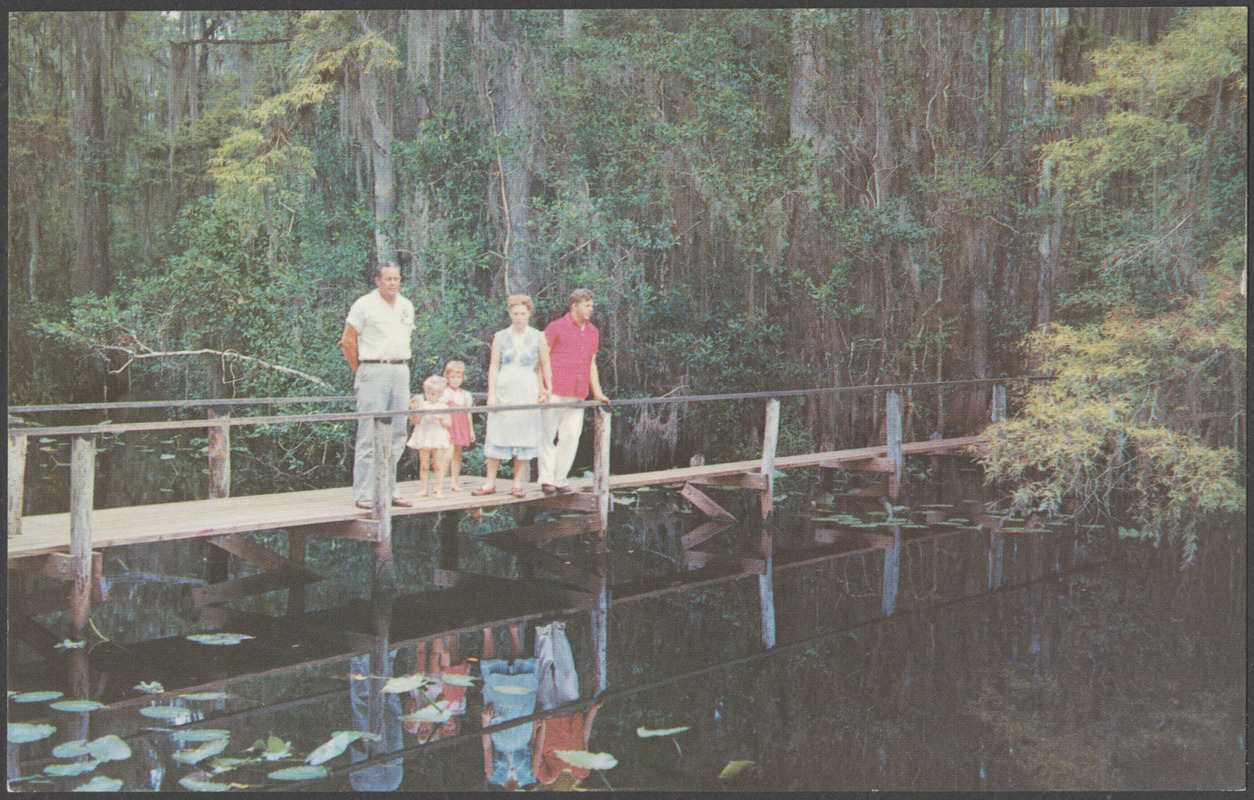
(461, 433)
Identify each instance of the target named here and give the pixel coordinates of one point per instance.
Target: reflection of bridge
(66, 546)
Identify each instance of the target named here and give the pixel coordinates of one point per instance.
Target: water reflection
(926, 653)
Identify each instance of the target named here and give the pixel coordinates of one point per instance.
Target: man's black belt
(382, 361)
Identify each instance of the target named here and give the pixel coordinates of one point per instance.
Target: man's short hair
(580, 296)
(383, 264)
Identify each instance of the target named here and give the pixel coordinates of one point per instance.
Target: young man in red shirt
(573, 344)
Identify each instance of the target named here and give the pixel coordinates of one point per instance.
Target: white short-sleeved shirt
(382, 330)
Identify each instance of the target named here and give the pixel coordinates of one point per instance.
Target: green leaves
(339, 742)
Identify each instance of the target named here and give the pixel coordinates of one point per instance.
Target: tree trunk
(90, 210)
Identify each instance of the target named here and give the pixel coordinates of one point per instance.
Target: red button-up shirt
(571, 351)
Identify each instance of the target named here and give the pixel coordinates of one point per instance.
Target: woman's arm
(537, 745)
(485, 716)
(545, 370)
(494, 366)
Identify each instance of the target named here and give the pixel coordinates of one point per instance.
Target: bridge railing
(219, 421)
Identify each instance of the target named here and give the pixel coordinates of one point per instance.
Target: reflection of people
(573, 342)
(362, 683)
(439, 662)
(509, 692)
(431, 434)
(518, 374)
(462, 433)
(376, 345)
(558, 684)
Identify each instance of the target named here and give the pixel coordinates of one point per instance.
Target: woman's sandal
(518, 492)
(482, 490)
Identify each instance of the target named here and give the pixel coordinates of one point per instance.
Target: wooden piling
(997, 409)
(601, 490)
(217, 560)
(297, 551)
(384, 486)
(766, 583)
(893, 418)
(892, 573)
(82, 496)
(17, 474)
(996, 557)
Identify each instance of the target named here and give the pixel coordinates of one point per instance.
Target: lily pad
(273, 748)
(585, 760)
(73, 749)
(166, 712)
(405, 683)
(436, 712)
(201, 735)
(210, 748)
(22, 732)
(197, 785)
(339, 742)
(150, 687)
(69, 644)
(453, 679)
(300, 773)
(35, 697)
(219, 638)
(203, 696)
(100, 783)
(219, 765)
(72, 769)
(623, 500)
(645, 733)
(109, 748)
(76, 705)
(508, 689)
(734, 769)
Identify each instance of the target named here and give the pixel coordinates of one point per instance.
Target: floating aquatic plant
(73, 749)
(200, 785)
(405, 683)
(100, 783)
(218, 638)
(303, 773)
(734, 769)
(166, 712)
(437, 712)
(271, 748)
(35, 697)
(69, 644)
(201, 735)
(22, 732)
(203, 696)
(645, 733)
(150, 687)
(76, 705)
(338, 743)
(210, 748)
(72, 769)
(591, 761)
(109, 748)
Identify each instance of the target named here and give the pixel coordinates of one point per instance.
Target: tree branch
(134, 355)
(279, 40)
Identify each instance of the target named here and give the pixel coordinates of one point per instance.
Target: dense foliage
(783, 198)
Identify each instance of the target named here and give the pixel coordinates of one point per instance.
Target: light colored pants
(564, 425)
(559, 683)
(380, 387)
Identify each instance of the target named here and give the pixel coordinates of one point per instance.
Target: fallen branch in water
(133, 354)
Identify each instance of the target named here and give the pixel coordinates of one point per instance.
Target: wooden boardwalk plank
(112, 527)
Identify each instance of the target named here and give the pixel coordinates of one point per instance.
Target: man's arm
(537, 745)
(348, 343)
(485, 716)
(594, 381)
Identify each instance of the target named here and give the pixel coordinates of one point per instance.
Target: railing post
(17, 476)
(384, 483)
(601, 490)
(893, 411)
(996, 557)
(82, 497)
(766, 583)
(997, 410)
(217, 560)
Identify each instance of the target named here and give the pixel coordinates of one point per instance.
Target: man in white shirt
(376, 345)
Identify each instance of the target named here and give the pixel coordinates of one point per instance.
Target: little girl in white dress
(431, 434)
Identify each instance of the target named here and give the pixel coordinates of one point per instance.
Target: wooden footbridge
(68, 546)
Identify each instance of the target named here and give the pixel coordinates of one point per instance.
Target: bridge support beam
(601, 490)
(82, 498)
(766, 584)
(384, 485)
(893, 412)
(17, 473)
(892, 574)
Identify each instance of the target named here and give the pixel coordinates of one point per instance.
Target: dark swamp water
(1058, 658)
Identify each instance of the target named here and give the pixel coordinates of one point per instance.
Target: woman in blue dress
(518, 374)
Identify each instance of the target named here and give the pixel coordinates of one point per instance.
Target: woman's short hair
(580, 296)
(435, 383)
(518, 300)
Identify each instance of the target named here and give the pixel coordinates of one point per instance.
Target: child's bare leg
(489, 644)
(455, 469)
(441, 463)
(515, 641)
(424, 471)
